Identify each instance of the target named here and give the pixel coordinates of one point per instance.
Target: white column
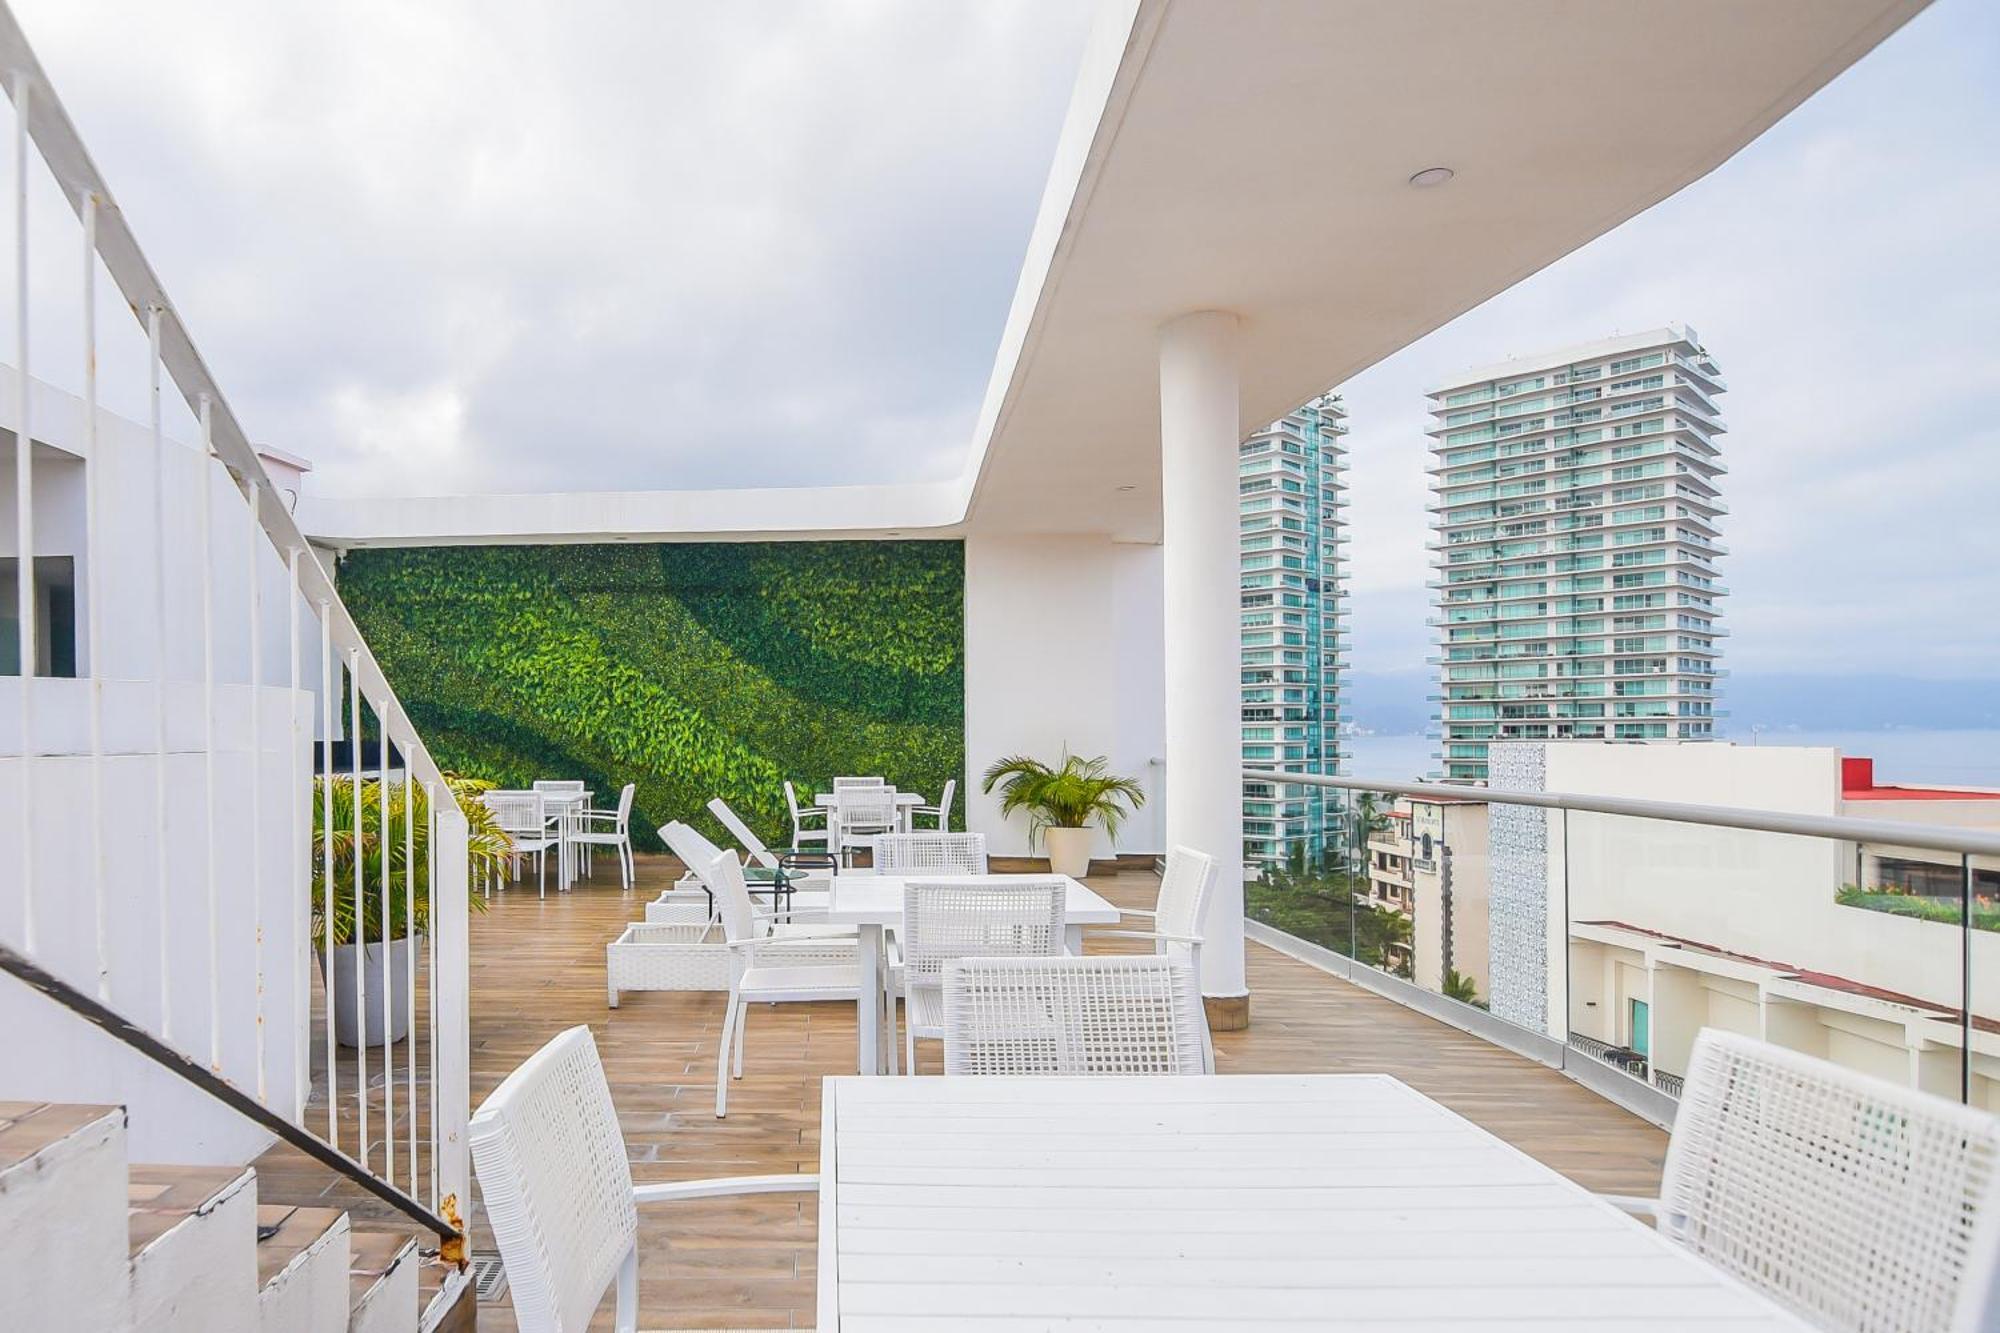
(1199, 433)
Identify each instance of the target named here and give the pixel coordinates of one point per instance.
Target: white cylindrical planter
(1200, 429)
(1069, 850)
(385, 1026)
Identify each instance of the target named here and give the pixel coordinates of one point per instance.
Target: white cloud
(502, 244)
(688, 244)
(1841, 269)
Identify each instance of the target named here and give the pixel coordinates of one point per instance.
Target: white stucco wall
(1062, 647)
(1769, 896)
(49, 1053)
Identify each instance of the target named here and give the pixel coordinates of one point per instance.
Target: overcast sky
(467, 245)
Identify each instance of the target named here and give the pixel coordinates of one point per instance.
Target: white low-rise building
(1842, 951)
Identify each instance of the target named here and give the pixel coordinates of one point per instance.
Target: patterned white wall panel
(1518, 842)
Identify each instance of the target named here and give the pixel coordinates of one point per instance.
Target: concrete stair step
(382, 1282)
(303, 1262)
(63, 1224)
(192, 1241)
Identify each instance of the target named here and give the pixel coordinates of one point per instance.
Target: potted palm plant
(1062, 801)
(378, 933)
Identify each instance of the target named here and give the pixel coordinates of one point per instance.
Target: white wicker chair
(931, 853)
(803, 830)
(1177, 916)
(768, 970)
(521, 816)
(1860, 1204)
(941, 811)
(860, 815)
(609, 828)
(1014, 916)
(565, 818)
(1105, 1015)
(842, 784)
(559, 1195)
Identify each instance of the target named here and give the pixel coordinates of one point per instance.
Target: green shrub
(693, 670)
(1985, 916)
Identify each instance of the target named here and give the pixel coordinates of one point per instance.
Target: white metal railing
(359, 1104)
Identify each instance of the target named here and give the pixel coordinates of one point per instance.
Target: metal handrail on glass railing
(1577, 893)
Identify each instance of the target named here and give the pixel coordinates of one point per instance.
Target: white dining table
(906, 801)
(1242, 1201)
(875, 902)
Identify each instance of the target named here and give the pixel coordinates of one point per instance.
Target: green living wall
(693, 670)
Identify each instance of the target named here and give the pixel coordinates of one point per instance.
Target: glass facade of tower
(1576, 499)
(1291, 489)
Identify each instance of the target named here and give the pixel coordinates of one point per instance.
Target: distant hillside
(1860, 703)
(1392, 703)
(1388, 703)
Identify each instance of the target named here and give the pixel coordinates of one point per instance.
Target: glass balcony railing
(1601, 934)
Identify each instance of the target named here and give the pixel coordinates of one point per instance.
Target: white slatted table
(873, 903)
(1303, 1201)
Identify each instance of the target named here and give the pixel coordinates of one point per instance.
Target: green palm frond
(388, 911)
(1068, 795)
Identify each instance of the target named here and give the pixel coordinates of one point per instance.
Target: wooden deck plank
(537, 967)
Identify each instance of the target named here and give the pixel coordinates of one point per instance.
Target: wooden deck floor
(538, 967)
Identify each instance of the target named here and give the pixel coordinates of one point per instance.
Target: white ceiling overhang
(1254, 156)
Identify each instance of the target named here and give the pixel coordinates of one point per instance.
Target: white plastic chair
(753, 846)
(1102, 1016)
(566, 816)
(521, 816)
(558, 1193)
(800, 914)
(1178, 915)
(1001, 917)
(609, 828)
(860, 815)
(1858, 1203)
(931, 853)
(802, 831)
(942, 810)
(768, 970)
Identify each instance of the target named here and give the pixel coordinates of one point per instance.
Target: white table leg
(1073, 941)
(868, 1000)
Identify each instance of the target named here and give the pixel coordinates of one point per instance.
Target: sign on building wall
(1426, 834)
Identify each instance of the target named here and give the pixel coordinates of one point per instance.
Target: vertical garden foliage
(696, 670)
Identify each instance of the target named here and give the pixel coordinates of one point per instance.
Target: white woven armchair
(860, 815)
(609, 828)
(941, 812)
(931, 853)
(1178, 917)
(1010, 916)
(523, 818)
(766, 969)
(1105, 1015)
(559, 1195)
(1860, 1204)
(809, 822)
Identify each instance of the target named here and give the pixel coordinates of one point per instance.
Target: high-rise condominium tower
(1577, 495)
(1291, 488)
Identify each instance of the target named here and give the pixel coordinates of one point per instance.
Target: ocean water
(1915, 758)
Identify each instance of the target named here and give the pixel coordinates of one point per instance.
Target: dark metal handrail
(451, 1236)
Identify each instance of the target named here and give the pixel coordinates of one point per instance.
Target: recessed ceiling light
(1128, 488)
(1430, 176)
(892, 534)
